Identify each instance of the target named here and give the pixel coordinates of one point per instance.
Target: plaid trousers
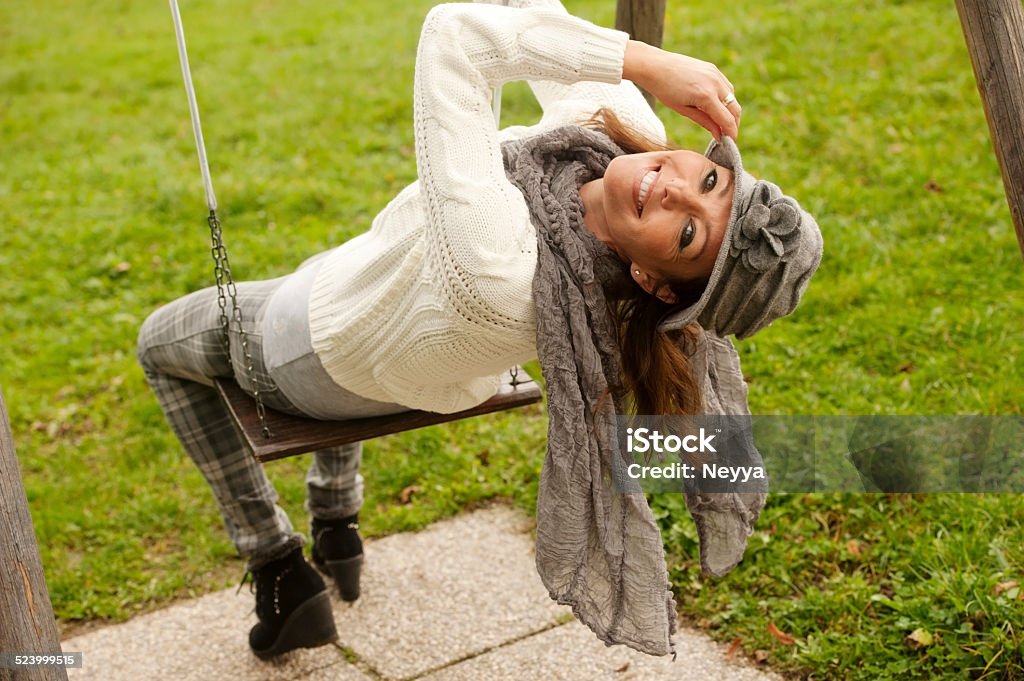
(180, 349)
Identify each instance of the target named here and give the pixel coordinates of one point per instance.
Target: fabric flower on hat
(768, 231)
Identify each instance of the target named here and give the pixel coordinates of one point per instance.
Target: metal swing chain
(222, 274)
(221, 266)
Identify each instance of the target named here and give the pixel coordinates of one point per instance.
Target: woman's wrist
(636, 61)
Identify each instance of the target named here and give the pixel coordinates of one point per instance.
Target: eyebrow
(728, 185)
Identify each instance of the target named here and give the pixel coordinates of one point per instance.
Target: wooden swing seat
(291, 435)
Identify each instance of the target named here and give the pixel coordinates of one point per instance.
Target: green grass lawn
(865, 111)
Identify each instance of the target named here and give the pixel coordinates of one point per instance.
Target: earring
(637, 272)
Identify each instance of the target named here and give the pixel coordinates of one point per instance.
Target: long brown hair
(657, 375)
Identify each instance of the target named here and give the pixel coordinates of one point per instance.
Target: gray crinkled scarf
(598, 550)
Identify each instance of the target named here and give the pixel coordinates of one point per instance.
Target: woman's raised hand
(694, 88)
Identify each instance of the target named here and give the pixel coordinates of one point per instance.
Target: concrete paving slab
(455, 589)
(460, 600)
(571, 652)
(197, 640)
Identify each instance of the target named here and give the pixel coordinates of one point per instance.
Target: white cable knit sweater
(433, 304)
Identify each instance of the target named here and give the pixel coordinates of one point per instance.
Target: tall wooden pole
(994, 31)
(643, 20)
(26, 616)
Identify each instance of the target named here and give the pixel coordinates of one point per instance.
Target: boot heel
(346, 575)
(310, 626)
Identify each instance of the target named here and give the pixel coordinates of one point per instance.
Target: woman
(595, 249)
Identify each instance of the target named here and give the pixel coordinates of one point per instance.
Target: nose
(679, 193)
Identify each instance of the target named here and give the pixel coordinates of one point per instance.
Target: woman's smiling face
(665, 212)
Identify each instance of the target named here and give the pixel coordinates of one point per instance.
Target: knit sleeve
(479, 224)
(565, 104)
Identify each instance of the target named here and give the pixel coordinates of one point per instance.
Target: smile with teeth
(645, 185)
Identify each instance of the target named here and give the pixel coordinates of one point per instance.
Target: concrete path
(458, 601)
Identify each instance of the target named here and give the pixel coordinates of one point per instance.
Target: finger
(729, 87)
(723, 117)
(733, 106)
(726, 88)
(736, 110)
(703, 120)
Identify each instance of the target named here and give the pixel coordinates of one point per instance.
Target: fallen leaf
(1004, 586)
(733, 647)
(853, 546)
(761, 655)
(933, 186)
(918, 638)
(405, 496)
(782, 636)
(1011, 589)
(623, 668)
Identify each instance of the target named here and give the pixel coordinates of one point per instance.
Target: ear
(648, 283)
(667, 295)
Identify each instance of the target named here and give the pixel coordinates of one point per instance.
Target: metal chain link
(222, 273)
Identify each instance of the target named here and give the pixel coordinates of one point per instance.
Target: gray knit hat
(770, 249)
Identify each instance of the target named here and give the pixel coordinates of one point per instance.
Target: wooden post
(26, 616)
(643, 20)
(994, 31)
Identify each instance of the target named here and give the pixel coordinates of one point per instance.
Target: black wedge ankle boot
(338, 552)
(292, 605)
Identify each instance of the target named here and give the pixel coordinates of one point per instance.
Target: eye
(710, 180)
(686, 238)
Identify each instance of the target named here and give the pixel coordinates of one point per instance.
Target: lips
(642, 187)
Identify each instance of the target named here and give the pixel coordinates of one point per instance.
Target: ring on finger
(729, 98)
